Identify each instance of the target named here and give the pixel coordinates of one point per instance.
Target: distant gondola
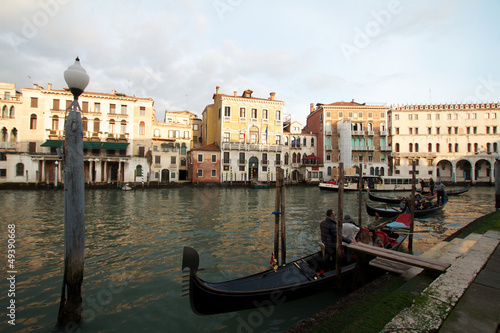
(394, 211)
(457, 192)
(296, 279)
(396, 200)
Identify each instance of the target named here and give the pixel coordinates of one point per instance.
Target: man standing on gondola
(328, 229)
(431, 186)
(440, 192)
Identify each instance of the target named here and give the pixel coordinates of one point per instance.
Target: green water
(134, 244)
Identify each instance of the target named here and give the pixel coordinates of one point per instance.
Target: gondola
(395, 211)
(457, 192)
(294, 280)
(396, 200)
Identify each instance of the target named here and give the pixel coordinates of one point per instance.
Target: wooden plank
(400, 257)
(390, 265)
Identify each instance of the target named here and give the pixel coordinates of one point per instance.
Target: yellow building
(249, 131)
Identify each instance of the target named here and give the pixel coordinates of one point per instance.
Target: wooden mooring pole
(360, 197)
(282, 217)
(277, 207)
(340, 218)
(70, 309)
(412, 209)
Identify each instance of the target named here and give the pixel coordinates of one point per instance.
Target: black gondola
(397, 200)
(457, 192)
(294, 280)
(394, 211)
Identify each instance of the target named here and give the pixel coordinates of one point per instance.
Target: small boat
(395, 211)
(397, 200)
(373, 183)
(127, 187)
(457, 192)
(294, 280)
(258, 185)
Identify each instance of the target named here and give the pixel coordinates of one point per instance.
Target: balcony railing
(358, 132)
(250, 147)
(359, 148)
(370, 133)
(328, 132)
(383, 133)
(242, 162)
(385, 148)
(328, 147)
(8, 145)
(226, 161)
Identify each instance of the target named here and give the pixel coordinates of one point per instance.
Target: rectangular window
(157, 159)
(254, 114)
(124, 109)
(214, 173)
(214, 158)
(85, 106)
(97, 107)
(429, 130)
(112, 108)
(278, 139)
(278, 115)
(3, 173)
(341, 114)
(200, 158)
(227, 111)
(264, 114)
(34, 102)
(227, 137)
(32, 147)
(242, 113)
(173, 160)
(142, 111)
(55, 104)
(199, 173)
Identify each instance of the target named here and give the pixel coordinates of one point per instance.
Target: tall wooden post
(497, 184)
(277, 207)
(412, 209)
(283, 225)
(360, 197)
(340, 218)
(70, 309)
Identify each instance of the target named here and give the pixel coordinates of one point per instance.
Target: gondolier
(440, 192)
(329, 235)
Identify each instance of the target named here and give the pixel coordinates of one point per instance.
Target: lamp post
(70, 309)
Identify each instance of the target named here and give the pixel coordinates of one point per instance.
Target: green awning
(92, 145)
(53, 143)
(113, 145)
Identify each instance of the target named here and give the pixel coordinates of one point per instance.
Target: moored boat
(296, 279)
(397, 200)
(373, 183)
(395, 211)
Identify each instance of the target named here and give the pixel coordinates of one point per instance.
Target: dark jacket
(329, 233)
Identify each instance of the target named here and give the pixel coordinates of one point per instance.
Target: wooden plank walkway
(400, 257)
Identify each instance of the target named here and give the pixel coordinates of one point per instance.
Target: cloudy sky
(177, 52)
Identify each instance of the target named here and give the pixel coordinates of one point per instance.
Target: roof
(210, 147)
(352, 103)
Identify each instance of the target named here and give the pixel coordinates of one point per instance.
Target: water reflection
(134, 246)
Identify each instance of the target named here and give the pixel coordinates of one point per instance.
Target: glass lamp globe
(77, 78)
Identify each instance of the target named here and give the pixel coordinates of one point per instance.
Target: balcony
(385, 148)
(251, 147)
(265, 162)
(328, 132)
(359, 148)
(370, 148)
(370, 133)
(242, 162)
(383, 133)
(277, 122)
(278, 162)
(359, 133)
(54, 134)
(328, 148)
(226, 161)
(8, 145)
(243, 119)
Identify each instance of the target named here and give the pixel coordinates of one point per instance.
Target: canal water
(134, 243)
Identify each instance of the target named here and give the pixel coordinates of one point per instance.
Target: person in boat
(349, 229)
(403, 204)
(440, 192)
(431, 186)
(422, 184)
(328, 229)
(375, 240)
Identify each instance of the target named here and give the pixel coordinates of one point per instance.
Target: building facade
(352, 133)
(204, 164)
(451, 142)
(249, 132)
(301, 162)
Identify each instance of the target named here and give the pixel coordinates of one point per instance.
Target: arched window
(5, 112)
(12, 114)
(397, 147)
(138, 171)
(142, 128)
(13, 135)
(410, 147)
(370, 127)
(294, 158)
(55, 123)
(429, 147)
(329, 171)
(111, 126)
(96, 125)
(287, 157)
(382, 142)
(19, 169)
(4, 135)
(416, 147)
(123, 127)
(328, 127)
(312, 142)
(33, 121)
(298, 158)
(85, 123)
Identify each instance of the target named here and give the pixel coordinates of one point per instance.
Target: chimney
(272, 96)
(49, 86)
(217, 90)
(235, 93)
(312, 107)
(114, 91)
(36, 86)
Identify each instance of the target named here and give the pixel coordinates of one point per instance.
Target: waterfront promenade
(463, 299)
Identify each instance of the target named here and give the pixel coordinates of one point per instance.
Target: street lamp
(77, 79)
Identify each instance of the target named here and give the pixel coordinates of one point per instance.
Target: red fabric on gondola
(404, 218)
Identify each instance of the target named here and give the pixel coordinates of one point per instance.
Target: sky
(388, 52)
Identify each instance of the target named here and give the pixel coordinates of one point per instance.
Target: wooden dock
(397, 262)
